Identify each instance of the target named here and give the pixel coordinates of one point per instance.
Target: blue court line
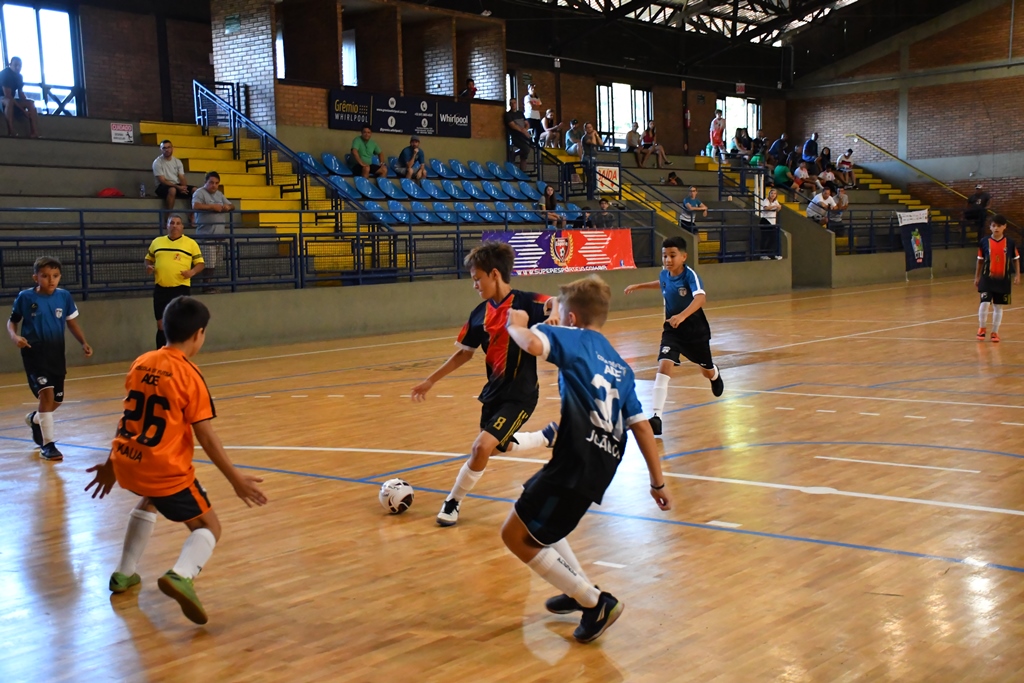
(842, 443)
(730, 398)
(641, 518)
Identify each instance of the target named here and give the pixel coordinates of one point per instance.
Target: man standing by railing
(213, 213)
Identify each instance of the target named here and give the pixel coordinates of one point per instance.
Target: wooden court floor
(852, 509)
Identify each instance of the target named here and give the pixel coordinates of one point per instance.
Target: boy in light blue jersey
(686, 331)
(598, 403)
(43, 312)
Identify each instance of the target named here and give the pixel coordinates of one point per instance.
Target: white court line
(743, 405)
(261, 397)
(314, 449)
(337, 396)
(783, 408)
(897, 464)
(871, 414)
(824, 411)
(300, 396)
(509, 458)
(915, 417)
(826, 490)
(445, 396)
(1013, 424)
(601, 563)
(959, 419)
(724, 525)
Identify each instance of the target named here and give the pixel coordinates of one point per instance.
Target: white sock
(464, 482)
(660, 393)
(715, 376)
(527, 440)
(46, 424)
(136, 536)
(553, 568)
(997, 317)
(195, 553)
(563, 549)
(35, 418)
(983, 313)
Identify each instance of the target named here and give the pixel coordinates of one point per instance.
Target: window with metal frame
(49, 52)
(619, 105)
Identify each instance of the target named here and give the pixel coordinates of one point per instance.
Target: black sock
(161, 339)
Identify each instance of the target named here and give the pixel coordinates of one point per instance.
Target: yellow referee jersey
(170, 257)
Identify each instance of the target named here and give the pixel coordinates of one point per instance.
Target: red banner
(568, 251)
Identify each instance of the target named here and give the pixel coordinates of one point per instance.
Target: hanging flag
(916, 231)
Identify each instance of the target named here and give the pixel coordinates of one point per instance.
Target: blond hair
(589, 299)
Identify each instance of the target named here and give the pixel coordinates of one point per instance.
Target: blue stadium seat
(392, 162)
(388, 187)
(444, 213)
(504, 211)
(466, 214)
(454, 190)
(482, 172)
(493, 191)
(334, 166)
(572, 212)
(345, 189)
(475, 191)
(461, 170)
(434, 190)
(499, 172)
(424, 213)
(530, 191)
(512, 192)
(312, 164)
(367, 189)
(485, 212)
(413, 190)
(391, 172)
(527, 215)
(402, 214)
(378, 213)
(431, 173)
(442, 170)
(517, 173)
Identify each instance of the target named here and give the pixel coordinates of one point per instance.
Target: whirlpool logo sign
(390, 113)
(454, 119)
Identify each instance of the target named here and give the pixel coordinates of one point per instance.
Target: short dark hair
(165, 142)
(493, 255)
(998, 219)
(365, 128)
(588, 298)
(213, 174)
(183, 317)
(46, 262)
(469, 80)
(674, 241)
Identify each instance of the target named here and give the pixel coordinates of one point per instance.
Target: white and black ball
(396, 496)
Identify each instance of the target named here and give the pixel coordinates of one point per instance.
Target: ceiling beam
(619, 12)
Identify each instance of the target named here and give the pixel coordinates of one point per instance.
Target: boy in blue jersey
(510, 395)
(686, 332)
(43, 312)
(598, 403)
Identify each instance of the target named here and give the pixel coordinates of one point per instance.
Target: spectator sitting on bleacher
(633, 142)
(845, 170)
(741, 143)
(826, 179)
(363, 151)
(805, 182)
(583, 221)
(573, 137)
(470, 91)
(824, 160)
(14, 100)
(782, 176)
(779, 148)
(793, 160)
(758, 143)
(691, 205)
(650, 145)
(549, 138)
(604, 218)
(768, 210)
(842, 201)
(673, 179)
(549, 205)
(170, 176)
(211, 219)
(820, 205)
(518, 133)
(810, 152)
(411, 163)
(977, 207)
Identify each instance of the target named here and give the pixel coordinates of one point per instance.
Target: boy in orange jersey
(152, 456)
(992, 275)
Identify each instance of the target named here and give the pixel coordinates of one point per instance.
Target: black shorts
(40, 378)
(673, 346)
(550, 511)
(165, 295)
(358, 170)
(185, 505)
(502, 419)
(162, 190)
(997, 298)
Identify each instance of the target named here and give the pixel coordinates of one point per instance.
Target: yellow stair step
(272, 205)
(221, 166)
(254, 192)
(247, 179)
(897, 197)
(203, 153)
(179, 128)
(197, 141)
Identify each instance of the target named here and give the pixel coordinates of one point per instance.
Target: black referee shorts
(165, 295)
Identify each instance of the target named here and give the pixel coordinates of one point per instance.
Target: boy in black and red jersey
(511, 393)
(992, 275)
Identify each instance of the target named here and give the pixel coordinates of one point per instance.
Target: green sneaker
(181, 589)
(119, 582)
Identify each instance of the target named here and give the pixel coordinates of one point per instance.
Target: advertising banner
(568, 251)
(384, 113)
(916, 232)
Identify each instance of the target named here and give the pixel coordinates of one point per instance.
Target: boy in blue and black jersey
(686, 332)
(43, 312)
(598, 404)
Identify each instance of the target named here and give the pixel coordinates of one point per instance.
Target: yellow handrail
(857, 137)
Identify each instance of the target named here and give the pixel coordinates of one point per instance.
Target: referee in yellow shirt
(175, 259)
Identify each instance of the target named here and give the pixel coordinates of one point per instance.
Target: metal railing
(734, 243)
(870, 231)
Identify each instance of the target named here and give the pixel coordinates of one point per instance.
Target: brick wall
(545, 82)
(122, 68)
(873, 115)
(481, 56)
(377, 34)
(1007, 195)
(248, 55)
(668, 113)
(773, 118)
(579, 98)
(312, 40)
(888, 64)
(301, 106)
(487, 120)
(701, 115)
(188, 46)
(439, 57)
(985, 37)
(413, 71)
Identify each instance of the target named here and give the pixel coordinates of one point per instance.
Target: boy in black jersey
(511, 393)
(992, 276)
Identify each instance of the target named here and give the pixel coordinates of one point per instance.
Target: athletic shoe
(50, 452)
(994, 337)
(656, 425)
(597, 619)
(562, 604)
(981, 334)
(181, 589)
(449, 513)
(550, 432)
(717, 385)
(37, 431)
(119, 582)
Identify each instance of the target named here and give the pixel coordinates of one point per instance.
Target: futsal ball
(396, 496)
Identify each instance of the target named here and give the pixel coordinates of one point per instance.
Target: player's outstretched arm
(244, 484)
(522, 335)
(103, 480)
(456, 361)
(649, 448)
(643, 285)
(78, 334)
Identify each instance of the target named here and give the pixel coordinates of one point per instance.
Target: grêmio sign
(383, 113)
